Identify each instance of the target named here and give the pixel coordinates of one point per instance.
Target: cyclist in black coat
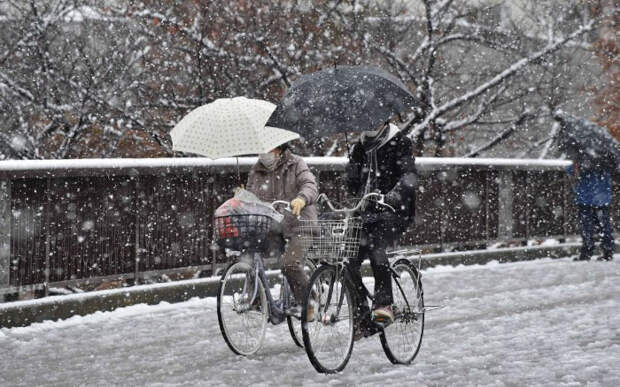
(381, 161)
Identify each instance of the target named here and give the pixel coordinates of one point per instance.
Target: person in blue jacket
(593, 197)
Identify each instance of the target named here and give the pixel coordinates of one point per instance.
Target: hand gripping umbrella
(229, 127)
(341, 99)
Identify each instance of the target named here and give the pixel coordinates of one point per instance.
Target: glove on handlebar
(297, 205)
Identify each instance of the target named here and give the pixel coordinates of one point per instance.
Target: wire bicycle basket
(331, 241)
(242, 232)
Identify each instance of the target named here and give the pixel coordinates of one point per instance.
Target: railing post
(487, 198)
(46, 220)
(565, 189)
(528, 206)
(5, 233)
(213, 249)
(443, 221)
(505, 197)
(136, 198)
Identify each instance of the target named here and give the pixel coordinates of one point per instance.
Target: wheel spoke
(241, 314)
(401, 340)
(328, 339)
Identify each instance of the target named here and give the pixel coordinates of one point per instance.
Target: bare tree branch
(482, 108)
(502, 136)
(499, 78)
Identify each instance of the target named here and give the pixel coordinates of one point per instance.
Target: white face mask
(374, 133)
(268, 159)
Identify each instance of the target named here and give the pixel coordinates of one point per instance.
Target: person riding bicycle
(281, 175)
(381, 161)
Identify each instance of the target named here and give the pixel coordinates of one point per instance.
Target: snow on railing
(244, 163)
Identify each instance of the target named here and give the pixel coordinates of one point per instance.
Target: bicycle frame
(337, 274)
(342, 292)
(277, 308)
(342, 268)
(400, 288)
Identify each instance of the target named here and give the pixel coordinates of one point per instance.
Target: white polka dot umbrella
(229, 127)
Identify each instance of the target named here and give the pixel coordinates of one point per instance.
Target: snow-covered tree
(607, 99)
(490, 72)
(69, 72)
(79, 76)
(203, 50)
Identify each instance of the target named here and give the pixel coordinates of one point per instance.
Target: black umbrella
(341, 99)
(587, 143)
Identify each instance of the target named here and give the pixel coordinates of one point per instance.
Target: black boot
(581, 257)
(607, 256)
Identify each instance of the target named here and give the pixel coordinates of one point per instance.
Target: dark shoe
(606, 257)
(294, 310)
(582, 258)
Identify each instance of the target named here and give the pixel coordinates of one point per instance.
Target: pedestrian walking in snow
(593, 197)
(595, 154)
(381, 161)
(281, 175)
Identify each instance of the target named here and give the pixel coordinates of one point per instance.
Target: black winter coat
(396, 177)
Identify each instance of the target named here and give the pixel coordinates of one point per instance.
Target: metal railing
(69, 221)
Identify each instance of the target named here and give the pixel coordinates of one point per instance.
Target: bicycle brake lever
(381, 201)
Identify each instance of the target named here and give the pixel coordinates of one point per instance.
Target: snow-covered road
(544, 322)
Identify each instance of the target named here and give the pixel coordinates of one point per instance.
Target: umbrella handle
(238, 173)
(287, 206)
(346, 141)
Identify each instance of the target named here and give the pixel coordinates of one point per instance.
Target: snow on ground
(544, 322)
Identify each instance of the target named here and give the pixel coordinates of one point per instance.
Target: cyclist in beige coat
(281, 175)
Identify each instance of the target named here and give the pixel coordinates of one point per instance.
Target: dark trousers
(292, 252)
(593, 217)
(376, 238)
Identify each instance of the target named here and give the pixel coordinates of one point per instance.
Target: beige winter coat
(291, 178)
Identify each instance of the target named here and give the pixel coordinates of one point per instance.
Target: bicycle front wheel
(328, 332)
(401, 340)
(242, 310)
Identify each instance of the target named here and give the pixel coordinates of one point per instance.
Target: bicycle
(328, 338)
(245, 302)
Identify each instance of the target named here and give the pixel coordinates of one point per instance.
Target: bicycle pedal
(382, 324)
(397, 312)
(371, 328)
(329, 318)
(429, 308)
(294, 311)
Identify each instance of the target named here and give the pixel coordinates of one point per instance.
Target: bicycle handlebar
(323, 197)
(359, 204)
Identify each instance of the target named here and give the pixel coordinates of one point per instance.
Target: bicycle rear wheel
(401, 340)
(294, 322)
(241, 313)
(328, 338)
